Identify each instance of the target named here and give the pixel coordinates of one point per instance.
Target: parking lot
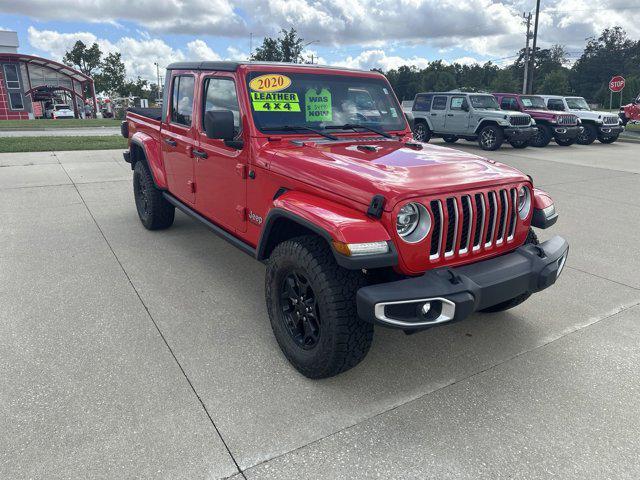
(126, 353)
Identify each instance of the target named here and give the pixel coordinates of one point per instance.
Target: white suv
(604, 126)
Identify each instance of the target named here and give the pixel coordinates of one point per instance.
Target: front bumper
(455, 293)
(520, 133)
(567, 133)
(610, 130)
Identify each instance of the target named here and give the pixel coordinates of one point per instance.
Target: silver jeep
(471, 116)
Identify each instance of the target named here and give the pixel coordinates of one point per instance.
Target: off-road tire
(515, 301)
(542, 138)
(608, 140)
(490, 138)
(154, 210)
(344, 340)
(421, 131)
(588, 135)
(565, 143)
(450, 138)
(519, 143)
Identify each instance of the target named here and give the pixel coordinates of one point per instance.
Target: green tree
(113, 75)
(556, 82)
(87, 60)
(287, 47)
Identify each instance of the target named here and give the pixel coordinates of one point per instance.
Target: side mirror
(465, 106)
(219, 125)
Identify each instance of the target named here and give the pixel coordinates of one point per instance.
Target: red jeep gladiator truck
(564, 128)
(313, 171)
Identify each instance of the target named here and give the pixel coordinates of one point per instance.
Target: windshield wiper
(294, 128)
(355, 126)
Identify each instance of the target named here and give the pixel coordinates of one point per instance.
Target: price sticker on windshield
(275, 102)
(317, 105)
(272, 82)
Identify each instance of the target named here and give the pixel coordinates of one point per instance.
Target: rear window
(62, 107)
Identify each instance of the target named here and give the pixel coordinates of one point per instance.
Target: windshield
(312, 100)
(577, 103)
(533, 102)
(487, 102)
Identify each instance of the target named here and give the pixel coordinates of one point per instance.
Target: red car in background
(564, 128)
(631, 112)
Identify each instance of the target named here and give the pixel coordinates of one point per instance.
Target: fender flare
(331, 221)
(423, 119)
(483, 123)
(541, 201)
(151, 150)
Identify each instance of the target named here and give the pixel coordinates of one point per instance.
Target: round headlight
(413, 222)
(524, 202)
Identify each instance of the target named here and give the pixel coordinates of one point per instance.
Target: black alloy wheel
(300, 310)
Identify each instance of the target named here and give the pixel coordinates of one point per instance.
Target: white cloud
(369, 59)
(199, 50)
(466, 61)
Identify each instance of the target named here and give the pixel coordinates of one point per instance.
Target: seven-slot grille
(519, 120)
(610, 120)
(567, 120)
(470, 222)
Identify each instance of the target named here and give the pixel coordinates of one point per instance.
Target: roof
(45, 62)
(233, 66)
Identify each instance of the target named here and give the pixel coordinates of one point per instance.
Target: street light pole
(309, 43)
(533, 53)
(158, 75)
(526, 53)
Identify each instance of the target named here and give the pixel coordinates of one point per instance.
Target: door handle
(170, 142)
(449, 114)
(434, 114)
(200, 153)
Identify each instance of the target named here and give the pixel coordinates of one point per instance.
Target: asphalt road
(126, 353)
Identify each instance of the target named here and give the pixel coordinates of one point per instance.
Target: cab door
(457, 121)
(438, 113)
(178, 138)
(221, 170)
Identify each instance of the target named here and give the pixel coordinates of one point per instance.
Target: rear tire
(153, 209)
(421, 132)
(588, 135)
(491, 138)
(542, 138)
(312, 308)
(450, 138)
(515, 301)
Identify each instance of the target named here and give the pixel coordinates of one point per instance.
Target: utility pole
(158, 75)
(533, 52)
(527, 21)
(250, 46)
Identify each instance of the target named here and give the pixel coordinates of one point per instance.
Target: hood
(360, 169)
(541, 113)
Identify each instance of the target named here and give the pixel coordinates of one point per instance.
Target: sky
(355, 33)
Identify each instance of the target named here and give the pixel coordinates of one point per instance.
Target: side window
(509, 103)
(456, 103)
(11, 76)
(15, 100)
(556, 104)
(423, 103)
(439, 103)
(220, 94)
(182, 100)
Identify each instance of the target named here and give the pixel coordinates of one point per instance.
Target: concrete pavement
(129, 353)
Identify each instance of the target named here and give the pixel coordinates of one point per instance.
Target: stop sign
(616, 84)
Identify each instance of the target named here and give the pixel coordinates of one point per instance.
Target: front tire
(565, 142)
(312, 308)
(515, 301)
(543, 137)
(421, 132)
(153, 209)
(491, 138)
(608, 140)
(588, 135)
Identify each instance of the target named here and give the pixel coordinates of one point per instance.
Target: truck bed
(152, 113)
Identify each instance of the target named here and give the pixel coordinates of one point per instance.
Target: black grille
(437, 222)
(503, 212)
(491, 212)
(479, 219)
(466, 223)
(451, 227)
(519, 120)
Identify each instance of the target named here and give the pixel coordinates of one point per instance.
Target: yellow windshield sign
(272, 82)
(275, 102)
